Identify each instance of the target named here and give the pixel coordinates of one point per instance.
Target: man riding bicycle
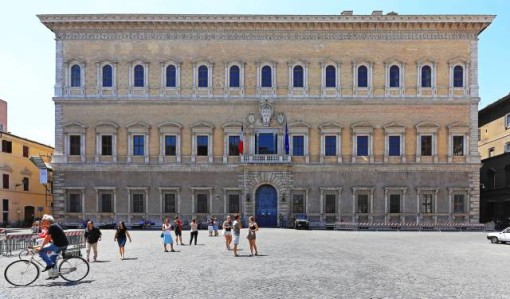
(55, 241)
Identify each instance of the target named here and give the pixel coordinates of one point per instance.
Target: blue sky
(27, 50)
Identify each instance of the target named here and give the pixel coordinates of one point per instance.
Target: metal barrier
(377, 226)
(19, 241)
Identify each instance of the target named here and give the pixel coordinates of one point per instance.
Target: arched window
(394, 76)
(426, 76)
(266, 76)
(75, 76)
(458, 76)
(171, 76)
(107, 76)
(139, 76)
(330, 76)
(203, 76)
(298, 76)
(362, 76)
(234, 76)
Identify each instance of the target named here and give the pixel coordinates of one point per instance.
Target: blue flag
(286, 139)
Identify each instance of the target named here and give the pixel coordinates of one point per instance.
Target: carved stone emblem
(266, 110)
(280, 118)
(251, 118)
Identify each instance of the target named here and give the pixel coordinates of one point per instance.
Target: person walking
(236, 228)
(178, 230)
(215, 227)
(167, 235)
(120, 237)
(92, 237)
(252, 236)
(227, 231)
(194, 231)
(210, 226)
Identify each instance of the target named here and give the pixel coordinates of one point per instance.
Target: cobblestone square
(293, 264)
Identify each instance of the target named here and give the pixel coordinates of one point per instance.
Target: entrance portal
(266, 206)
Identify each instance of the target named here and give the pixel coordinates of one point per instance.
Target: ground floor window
(169, 203)
(202, 204)
(138, 199)
(298, 204)
(426, 203)
(395, 203)
(74, 203)
(458, 203)
(106, 203)
(233, 203)
(330, 203)
(362, 207)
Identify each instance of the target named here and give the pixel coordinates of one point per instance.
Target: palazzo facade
(344, 118)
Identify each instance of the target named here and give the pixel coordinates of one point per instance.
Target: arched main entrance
(266, 206)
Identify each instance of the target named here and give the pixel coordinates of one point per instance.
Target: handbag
(162, 235)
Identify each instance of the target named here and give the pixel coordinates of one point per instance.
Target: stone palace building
(344, 118)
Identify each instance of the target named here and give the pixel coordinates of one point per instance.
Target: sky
(27, 47)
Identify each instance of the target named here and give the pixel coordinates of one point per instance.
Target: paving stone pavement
(293, 264)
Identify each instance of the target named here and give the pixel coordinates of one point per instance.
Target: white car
(500, 237)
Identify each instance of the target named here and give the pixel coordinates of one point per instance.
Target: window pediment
(393, 61)
(202, 125)
(170, 127)
(427, 127)
(75, 127)
(394, 127)
(138, 127)
(106, 124)
(458, 127)
(458, 60)
(26, 171)
(330, 127)
(362, 127)
(232, 124)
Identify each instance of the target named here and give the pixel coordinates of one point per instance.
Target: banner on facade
(43, 176)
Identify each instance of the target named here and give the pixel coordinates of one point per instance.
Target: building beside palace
(345, 118)
(494, 145)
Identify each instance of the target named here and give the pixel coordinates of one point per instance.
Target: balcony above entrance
(262, 159)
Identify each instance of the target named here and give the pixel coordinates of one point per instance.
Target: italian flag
(241, 141)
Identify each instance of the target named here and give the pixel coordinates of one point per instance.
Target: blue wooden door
(266, 206)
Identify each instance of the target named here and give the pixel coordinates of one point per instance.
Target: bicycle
(25, 272)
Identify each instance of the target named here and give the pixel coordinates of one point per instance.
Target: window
(106, 145)
(394, 145)
(458, 203)
(362, 204)
(266, 144)
(107, 76)
(6, 146)
(507, 121)
(202, 203)
(298, 145)
(426, 203)
(426, 145)
(266, 76)
(169, 203)
(233, 203)
(234, 76)
(298, 204)
(106, 203)
(171, 76)
(74, 145)
(5, 179)
(394, 76)
(203, 76)
(233, 145)
(139, 76)
(426, 76)
(170, 145)
(394, 203)
(138, 203)
(138, 145)
(362, 145)
(330, 146)
(25, 182)
(74, 203)
(298, 75)
(202, 145)
(458, 145)
(330, 203)
(330, 76)
(491, 152)
(507, 147)
(458, 76)
(75, 76)
(362, 76)
(25, 151)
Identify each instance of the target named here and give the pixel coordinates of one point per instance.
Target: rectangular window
(5, 180)
(426, 145)
(202, 204)
(170, 145)
(5, 216)
(106, 203)
(138, 202)
(394, 203)
(169, 204)
(330, 146)
(202, 145)
(458, 203)
(458, 145)
(266, 144)
(298, 145)
(25, 151)
(361, 145)
(491, 152)
(5, 205)
(74, 145)
(298, 204)
(106, 145)
(74, 203)
(6, 146)
(507, 121)
(233, 203)
(426, 203)
(330, 203)
(394, 146)
(25, 183)
(138, 145)
(362, 203)
(233, 145)
(507, 147)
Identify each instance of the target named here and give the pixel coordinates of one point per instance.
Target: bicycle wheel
(21, 273)
(74, 269)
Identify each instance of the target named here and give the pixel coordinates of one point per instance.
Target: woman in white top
(194, 231)
(167, 236)
(227, 231)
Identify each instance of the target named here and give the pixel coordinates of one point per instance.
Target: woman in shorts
(227, 231)
(252, 236)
